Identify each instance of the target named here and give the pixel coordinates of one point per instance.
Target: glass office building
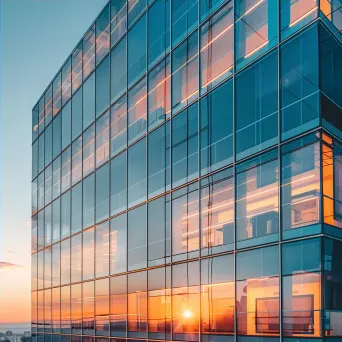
(187, 176)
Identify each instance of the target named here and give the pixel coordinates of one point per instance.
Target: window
(137, 110)
(47, 311)
(56, 220)
(158, 30)
(35, 159)
(300, 190)
(102, 250)
(301, 288)
(159, 303)
(159, 97)
(299, 84)
(57, 94)
(102, 193)
(76, 258)
(136, 50)
(66, 125)
(56, 178)
(88, 306)
(257, 291)
(47, 267)
(89, 52)
(66, 170)
(76, 163)
(48, 145)
(159, 218)
(217, 213)
(76, 119)
(137, 304)
(137, 246)
(56, 265)
(216, 123)
(34, 230)
(89, 150)
(216, 48)
(40, 273)
(102, 307)
(56, 310)
(257, 211)
(88, 254)
(118, 305)
(118, 71)
(76, 308)
(65, 310)
(65, 262)
(119, 20)
(159, 161)
(76, 61)
(102, 35)
(76, 208)
(35, 123)
(118, 184)
(48, 184)
(102, 139)
(185, 72)
(257, 107)
(135, 8)
(57, 136)
(118, 126)
(88, 201)
(294, 15)
(65, 215)
(256, 29)
(48, 105)
(41, 152)
(41, 117)
(185, 146)
(48, 225)
(137, 186)
(118, 244)
(185, 223)
(102, 86)
(89, 101)
(186, 301)
(208, 7)
(184, 19)
(41, 182)
(66, 82)
(217, 297)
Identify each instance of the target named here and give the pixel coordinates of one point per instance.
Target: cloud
(5, 265)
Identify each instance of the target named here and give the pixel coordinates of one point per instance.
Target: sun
(187, 314)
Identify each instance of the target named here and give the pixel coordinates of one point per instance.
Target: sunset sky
(36, 38)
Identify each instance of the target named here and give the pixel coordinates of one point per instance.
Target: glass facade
(187, 176)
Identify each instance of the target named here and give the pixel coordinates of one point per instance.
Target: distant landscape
(17, 328)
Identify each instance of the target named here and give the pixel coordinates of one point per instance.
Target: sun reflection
(187, 314)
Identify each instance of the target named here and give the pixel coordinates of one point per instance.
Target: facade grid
(187, 175)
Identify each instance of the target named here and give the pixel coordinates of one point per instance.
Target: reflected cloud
(6, 265)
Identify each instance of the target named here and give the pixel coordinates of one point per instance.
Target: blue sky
(36, 38)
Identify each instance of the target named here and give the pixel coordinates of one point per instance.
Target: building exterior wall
(187, 175)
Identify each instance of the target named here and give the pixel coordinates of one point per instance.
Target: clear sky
(36, 38)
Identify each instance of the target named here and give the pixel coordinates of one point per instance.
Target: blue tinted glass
(118, 70)
(66, 125)
(65, 215)
(57, 135)
(76, 208)
(48, 145)
(208, 7)
(137, 51)
(88, 201)
(89, 101)
(102, 86)
(41, 153)
(118, 126)
(217, 129)
(119, 20)
(76, 119)
(118, 184)
(257, 107)
(102, 193)
(135, 8)
(118, 244)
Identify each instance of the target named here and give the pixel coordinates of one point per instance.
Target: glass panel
(184, 19)
(57, 136)
(299, 84)
(41, 117)
(56, 178)
(216, 121)
(137, 304)
(66, 82)
(88, 308)
(65, 262)
(217, 213)
(102, 307)
(76, 308)
(158, 30)
(47, 267)
(76, 119)
(257, 211)
(118, 128)
(137, 108)
(41, 152)
(48, 105)
(65, 215)
(88, 201)
(102, 193)
(41, 193)
(66, 126)
(185, 146)
(118, 244)
(118, 184)
(35, 123)
(118, 70)
(48, 225)
(256, 29)
(208, 7)
(57, 94)
(88, 255)
(89, 52)
(300, 190)
(48, 185)
(102, 35)
(185, 73)
(76, 163)
(102, 139)
(137, 237)
(89, 150)
(76, 258)
(102, 86)
(56, 310)
(159, 161)
(136, 49)
(89, 101)
(118, 305)
(76, 208)
(102, 250)
(216, 48)
(119, 20)
(257, 113)
(66, 169)
(56, 220)
(137, 186)
(35, 159)
(48, 145)
(135, 8)
(56, 265)
(76, 74)
(159, 97)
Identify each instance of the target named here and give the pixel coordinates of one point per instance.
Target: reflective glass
(48, 105)
(135, 8)
(88, 201)
(102, 193)
(65, 170)
(56, 220)
(65, 262)
(102, 86)
(65, 215)
(89, 150)
(48, 145)
(48, 225)
(76, 208)
(57, 94)
(88, 255)
(208, 7)
(56, 265)
(102, 250)
(57, 136)
(102, 139)
(102, 307)
(66, 82)
(76, 258)
(118, 20)
(118, 71)
(118, 305)
(89, 52)
(35, 123)
(76, 308)
(48, 184)
(102, 34)
(76, 74)
(118, 126)
(41, 117)
(88, 308)
(118, 244)
(76, 117)
(89, 101)
(66, 125)
(76, 162)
